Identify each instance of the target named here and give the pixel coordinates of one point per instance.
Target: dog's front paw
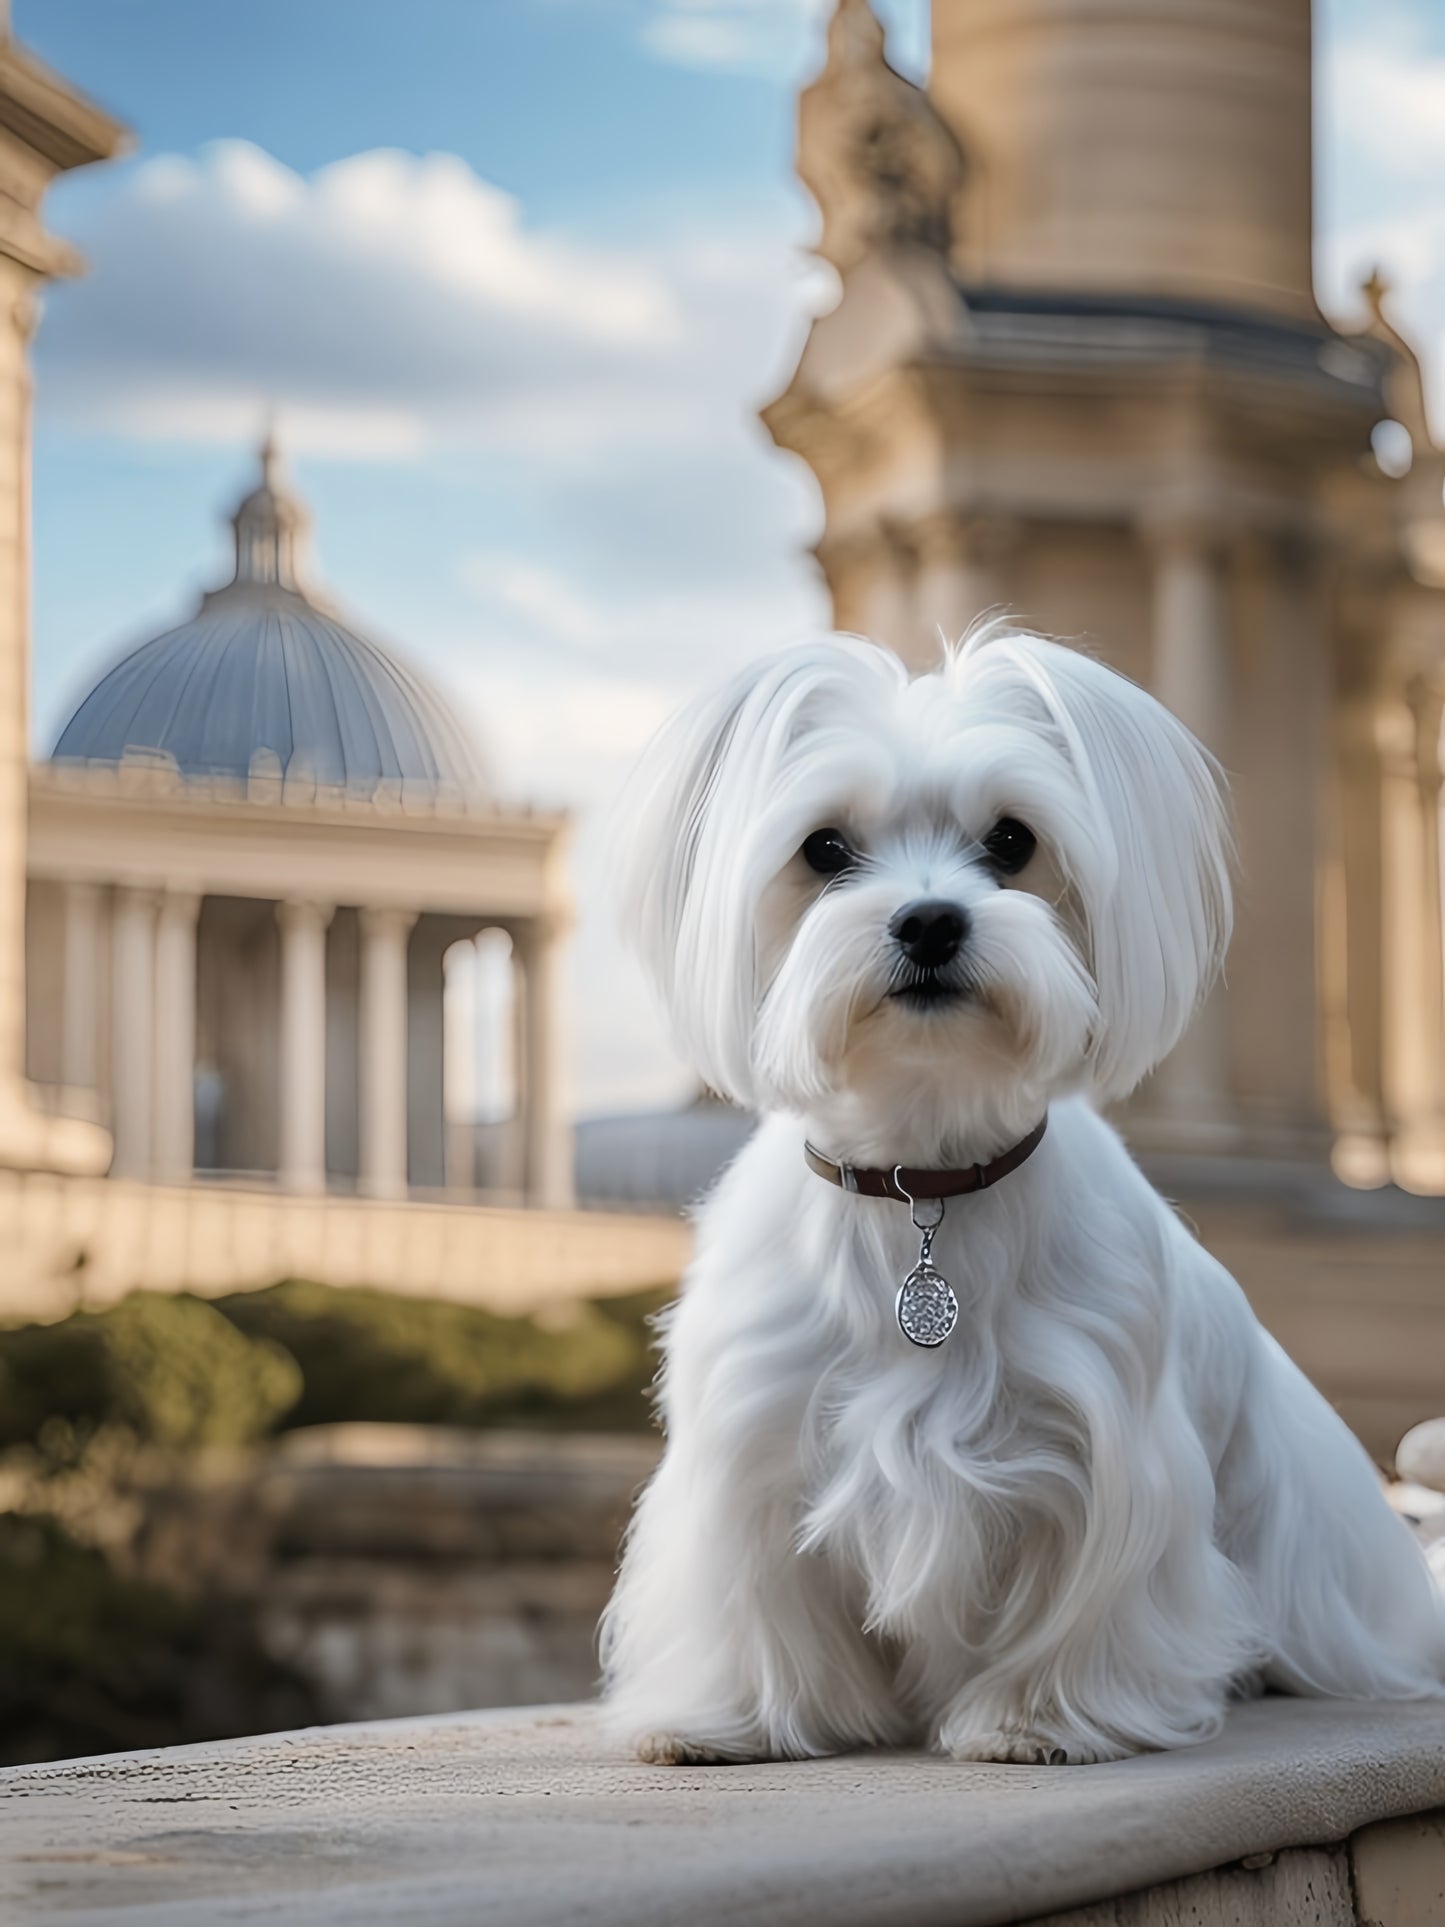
(1020, 1746)
(683, 1749)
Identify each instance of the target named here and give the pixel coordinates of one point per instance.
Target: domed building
(258, 841)
(265, 678)
(237, 910)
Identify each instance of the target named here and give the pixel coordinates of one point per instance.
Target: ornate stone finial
(1376, 290)
(1404, 377)
(270, 455)
(854, 33)
(874, 152)
(271, 525)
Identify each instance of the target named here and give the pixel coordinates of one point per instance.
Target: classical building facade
(1076, 372)
(227, 903)
(258, 842)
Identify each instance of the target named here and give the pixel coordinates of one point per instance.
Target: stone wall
(403, 1570)
(1349, 1282)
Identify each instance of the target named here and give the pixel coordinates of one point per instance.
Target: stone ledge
(530, 1819)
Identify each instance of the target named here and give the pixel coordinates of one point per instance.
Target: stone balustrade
(83, 1243)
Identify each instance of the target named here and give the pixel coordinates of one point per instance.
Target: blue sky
(516, 275)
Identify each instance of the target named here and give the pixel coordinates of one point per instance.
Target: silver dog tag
(927, 1305)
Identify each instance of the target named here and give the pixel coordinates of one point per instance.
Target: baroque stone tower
(1076, 372)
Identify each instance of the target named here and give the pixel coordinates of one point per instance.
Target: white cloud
(782, 39)
(577, 677)
(736, 36)
(1387, 100)
(388, 304)
(536, 596)
(404, 310)
(1382, 112)
(706, 40)
(567, 738)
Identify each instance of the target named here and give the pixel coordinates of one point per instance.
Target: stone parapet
(1301, 1810)
(83, 1243)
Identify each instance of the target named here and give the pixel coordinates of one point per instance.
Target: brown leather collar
(905, 1185)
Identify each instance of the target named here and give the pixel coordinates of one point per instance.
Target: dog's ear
(703, 826)
(1158, 905)
(664, 836)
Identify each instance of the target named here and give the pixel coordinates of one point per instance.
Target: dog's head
(945, 899)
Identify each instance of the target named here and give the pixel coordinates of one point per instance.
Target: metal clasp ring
(930, 1224)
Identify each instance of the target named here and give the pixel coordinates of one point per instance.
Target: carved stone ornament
(873, 150)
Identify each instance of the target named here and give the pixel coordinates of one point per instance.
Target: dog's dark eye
(1010, 844)
(829, 853)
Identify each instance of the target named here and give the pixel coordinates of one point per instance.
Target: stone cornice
(1302, 408)
(141, 834)
(44, 114)
(156, 783)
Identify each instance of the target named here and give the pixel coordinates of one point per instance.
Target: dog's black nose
(930, 932)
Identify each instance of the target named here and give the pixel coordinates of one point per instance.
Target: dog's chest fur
(950, 1482)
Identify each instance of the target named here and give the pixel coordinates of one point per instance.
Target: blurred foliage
(171, 1370)
(96, 1410)
(181, 1373)
(92, 1660)
(375, 1355)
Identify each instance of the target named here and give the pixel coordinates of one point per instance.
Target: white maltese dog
(967, 1440)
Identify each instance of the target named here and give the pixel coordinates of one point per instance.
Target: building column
(961, 575)
(1414, 998)
(1278, 745)
(947, 594)
(426, 1048)
(847, 569)
(1191, 676)
(80, 989)
(173, 1150)
(383, 1060)
(459, 1066)
(546, 1132)
(888, 603)
(301, 1158)
(1354, 938)
(1429, 711)
(1191, 628)
(132, 1030)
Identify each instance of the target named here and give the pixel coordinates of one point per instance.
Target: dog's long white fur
(1109, 1501)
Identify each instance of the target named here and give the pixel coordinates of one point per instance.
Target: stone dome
(265, 678)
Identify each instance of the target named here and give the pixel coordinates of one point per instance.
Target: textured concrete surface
(531, 1819)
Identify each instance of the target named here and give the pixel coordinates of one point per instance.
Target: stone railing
(86, 1242)
(1301, 1812)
